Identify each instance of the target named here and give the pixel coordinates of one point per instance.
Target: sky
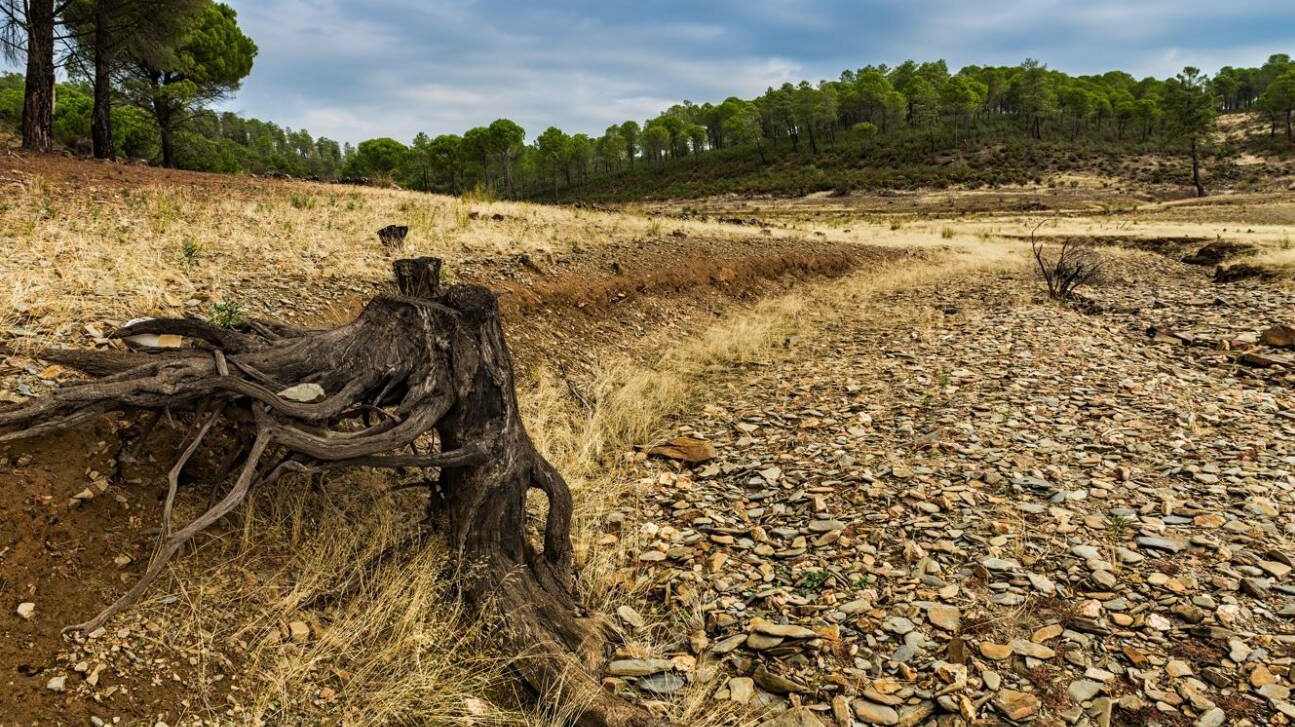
(357, 69)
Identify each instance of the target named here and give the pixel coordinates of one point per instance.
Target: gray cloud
(354, 69)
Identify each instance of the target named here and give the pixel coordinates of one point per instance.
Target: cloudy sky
(355, 69)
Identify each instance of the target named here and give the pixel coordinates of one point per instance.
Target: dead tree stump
(418, 277)
(426, 362)
(393, 236)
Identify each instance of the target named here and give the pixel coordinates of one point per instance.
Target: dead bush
(1075, 265)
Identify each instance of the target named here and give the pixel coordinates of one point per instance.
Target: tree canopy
(873, 116)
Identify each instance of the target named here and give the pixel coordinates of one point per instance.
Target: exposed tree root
(409, 366)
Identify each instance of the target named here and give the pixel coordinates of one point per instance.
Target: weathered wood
(432, 362)
(393, 236)
(418, 277)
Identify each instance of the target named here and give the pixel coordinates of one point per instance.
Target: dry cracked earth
(971, 505)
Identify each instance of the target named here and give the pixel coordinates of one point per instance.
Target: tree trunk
(430, 361)
(1196, 170)
(166, 130)
(38, 96)
(101, 118)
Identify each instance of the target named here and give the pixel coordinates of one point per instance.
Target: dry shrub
(1076, 264)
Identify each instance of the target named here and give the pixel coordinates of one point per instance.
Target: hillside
(1245, 160)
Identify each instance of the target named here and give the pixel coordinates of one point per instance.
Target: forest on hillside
(142, 77)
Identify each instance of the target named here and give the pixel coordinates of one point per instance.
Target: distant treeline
(893, 116)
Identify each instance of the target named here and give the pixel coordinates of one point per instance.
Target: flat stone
(948, 618)
(1047, 633)
(1274, 692)
(724, 646)
(789, 631)
(1214, 717)
(638, 667)
(1082, 690)
(1001, 564)
(665, 683)
(1015, 705)
(995, 652)
(825, 526)
(871, 713)
(631, 617)
(741, 689)
(761, 642)
(1087, 552)
(915, 714)
(1029, 648)
(299, 631)
(1165, 544)
(1261, 675)
(303, 393)
(898, 625)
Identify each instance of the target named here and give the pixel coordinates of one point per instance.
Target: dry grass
(74, 256)
(397, 651)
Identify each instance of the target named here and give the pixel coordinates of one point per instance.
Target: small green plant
(863, 581)
(190, 252)
(226, 315)
(302, 201)
(947, 233)
(1119, 525)
(813, 579)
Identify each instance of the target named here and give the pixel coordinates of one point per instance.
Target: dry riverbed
(963, 503)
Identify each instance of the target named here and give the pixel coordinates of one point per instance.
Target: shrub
(226, 315)
(1076, 265)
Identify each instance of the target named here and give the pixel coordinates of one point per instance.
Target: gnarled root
(409, 367)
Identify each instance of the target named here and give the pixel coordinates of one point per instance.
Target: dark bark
(418, 277)
(101, 116)
(431, 361)
(38, 96)
(1196, 170)
(166, 129)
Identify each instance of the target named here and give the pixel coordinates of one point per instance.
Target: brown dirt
(74, 173)
(59, 552)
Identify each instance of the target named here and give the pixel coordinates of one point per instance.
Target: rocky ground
(974, 505)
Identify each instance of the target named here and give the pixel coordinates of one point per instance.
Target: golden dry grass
(924, 219)
(75, 256)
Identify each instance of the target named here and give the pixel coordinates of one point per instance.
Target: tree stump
(418, 277)
(393, 236)
(426, 362)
